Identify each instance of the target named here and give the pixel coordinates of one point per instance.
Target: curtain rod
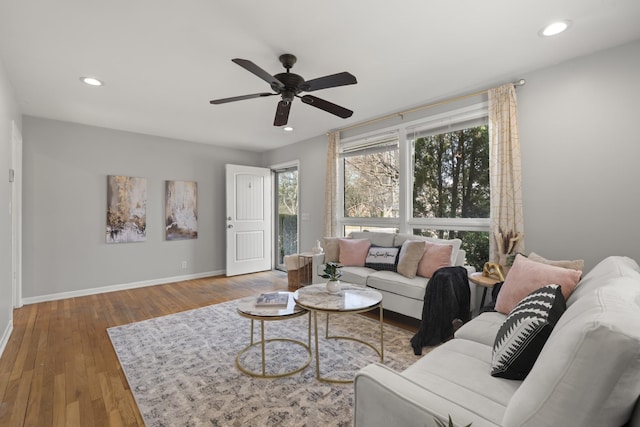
(520, 82)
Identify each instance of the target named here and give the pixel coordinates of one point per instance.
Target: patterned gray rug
(181, 368)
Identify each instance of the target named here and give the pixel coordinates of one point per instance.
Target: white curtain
(507, 222)
(331, 186)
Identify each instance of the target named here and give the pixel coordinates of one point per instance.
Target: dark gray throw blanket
(446, 298)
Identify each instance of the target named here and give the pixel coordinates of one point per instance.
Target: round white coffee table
(247, 308)
(349, 300)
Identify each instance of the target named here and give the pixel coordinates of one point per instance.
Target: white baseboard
(6, 335)
(122, 287)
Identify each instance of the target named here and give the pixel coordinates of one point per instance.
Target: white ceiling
(163, 60)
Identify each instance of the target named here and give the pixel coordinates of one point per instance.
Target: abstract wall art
(126, 209)
(181, 210)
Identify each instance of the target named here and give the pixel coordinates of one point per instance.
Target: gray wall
(312, 155)
(580, 149)
(64, 207)
(580, 153)
(8, 112)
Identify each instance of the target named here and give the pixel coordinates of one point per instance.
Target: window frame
(359, 145)
(406, 222)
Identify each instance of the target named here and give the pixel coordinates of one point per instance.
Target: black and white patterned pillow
(525, 331)
(382, 258)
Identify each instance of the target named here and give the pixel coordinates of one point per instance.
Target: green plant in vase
(333, 272)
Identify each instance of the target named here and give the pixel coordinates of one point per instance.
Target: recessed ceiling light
(92, 81)
(287, 129)
(554, 28)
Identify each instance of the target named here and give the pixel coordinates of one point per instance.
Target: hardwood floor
(59, 368)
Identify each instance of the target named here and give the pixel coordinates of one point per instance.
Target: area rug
(181, 368)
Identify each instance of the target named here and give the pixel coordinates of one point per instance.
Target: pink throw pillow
(435, 256)
(353, 251)
(526, 276)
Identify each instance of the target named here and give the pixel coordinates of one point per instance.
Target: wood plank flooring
(59, 368)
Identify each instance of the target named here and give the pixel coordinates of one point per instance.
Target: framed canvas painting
(126, 209)
(181, 210)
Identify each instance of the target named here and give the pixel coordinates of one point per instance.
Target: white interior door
(248, 219)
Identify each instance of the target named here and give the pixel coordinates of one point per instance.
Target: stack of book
(273, 299)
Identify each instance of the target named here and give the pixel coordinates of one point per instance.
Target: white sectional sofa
(587, 373)
(400, 294)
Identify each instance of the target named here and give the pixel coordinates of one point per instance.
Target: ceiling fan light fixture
(554, 28)
(91, 81)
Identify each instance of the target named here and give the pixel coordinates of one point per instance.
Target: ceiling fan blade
(240, 98)
(282, 113)
(339, 79)
(253, 68)
(327, 106)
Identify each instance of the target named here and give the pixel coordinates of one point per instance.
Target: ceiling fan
(288, 85)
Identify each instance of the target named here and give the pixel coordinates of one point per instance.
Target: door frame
(274, 209)
(16, 215)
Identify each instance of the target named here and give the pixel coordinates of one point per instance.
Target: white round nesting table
(247, 308)
(350, 299)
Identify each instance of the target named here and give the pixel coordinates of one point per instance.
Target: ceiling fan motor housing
(292, 85)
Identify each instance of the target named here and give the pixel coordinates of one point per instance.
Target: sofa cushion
(356, 275)
(398, 284)
(353, 252)
(376, 238)
(577, 264)
(483, 328)
(458, 371)
(435, 256)
(525, 276)
(331, 249)
(604, 274)
(382, 258)
(410, 255)
(588, 373)
(525, 331)
(455, 243)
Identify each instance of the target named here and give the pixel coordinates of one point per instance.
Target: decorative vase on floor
(333, 286)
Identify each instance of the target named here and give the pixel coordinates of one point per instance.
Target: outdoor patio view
(287, 205)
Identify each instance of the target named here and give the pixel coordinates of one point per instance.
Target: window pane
(474, 243)
(287, 205)
(371, 188)
(451, 174)
(350, 228)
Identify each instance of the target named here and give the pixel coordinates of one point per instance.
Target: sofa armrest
(383, 397)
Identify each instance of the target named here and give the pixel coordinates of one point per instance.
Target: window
(442, 190)
(371, 179)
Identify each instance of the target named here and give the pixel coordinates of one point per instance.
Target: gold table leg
(379, 351)
(263, 373)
